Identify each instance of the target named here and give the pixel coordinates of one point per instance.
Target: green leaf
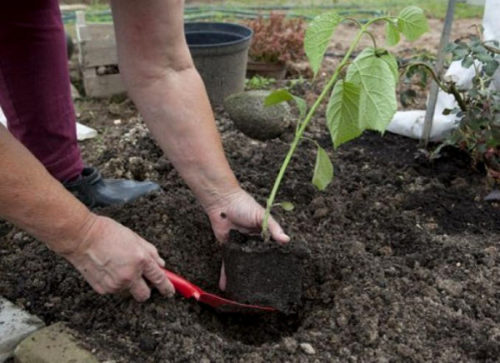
(391, 61)
(490, 67)
(282, 95)
(467, 62)
(412, 22)
(278, 96)
(342, 113)
(323, 170)
(288, 206)
(318, 35)
(484, 57)
(377, 101)
(392, 36)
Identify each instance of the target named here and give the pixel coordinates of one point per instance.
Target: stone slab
(55, 343)
(15, 325)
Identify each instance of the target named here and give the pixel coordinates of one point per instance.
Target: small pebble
(385, 251)
(290, 344)
(357, 247)
(454, 288)
(307, 348)
(320, 213)
(342, 320)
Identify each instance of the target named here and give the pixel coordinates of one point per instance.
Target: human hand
(112, 259)
(240, 211)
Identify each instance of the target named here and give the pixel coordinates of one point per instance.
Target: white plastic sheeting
(411, 123)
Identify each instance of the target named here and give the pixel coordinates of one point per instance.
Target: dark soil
(264, 273)
(404, 262)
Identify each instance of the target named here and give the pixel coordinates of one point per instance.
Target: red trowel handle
(183, 286)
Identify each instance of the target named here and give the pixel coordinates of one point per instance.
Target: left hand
(239, 211)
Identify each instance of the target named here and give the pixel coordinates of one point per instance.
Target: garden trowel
(188, 290)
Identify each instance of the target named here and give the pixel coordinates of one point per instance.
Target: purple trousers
(34, 84)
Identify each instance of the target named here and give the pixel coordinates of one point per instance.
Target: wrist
(221, 201)
(75, 240)
(213, 190)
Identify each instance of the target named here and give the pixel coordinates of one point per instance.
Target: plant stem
(303, 125)
(451, 89)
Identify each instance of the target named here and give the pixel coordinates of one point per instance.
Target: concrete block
(55, 343)
(15, 325)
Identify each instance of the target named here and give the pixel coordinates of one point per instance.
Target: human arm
(160, 76)
(110, 256)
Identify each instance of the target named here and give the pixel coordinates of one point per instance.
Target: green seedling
(362, 92)
(259, 82)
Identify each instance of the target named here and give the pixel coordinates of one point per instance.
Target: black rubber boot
(94, 191)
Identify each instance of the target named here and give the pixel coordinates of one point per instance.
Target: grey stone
(55, 343)
(255, 120)
(307, 348)
(15, 325)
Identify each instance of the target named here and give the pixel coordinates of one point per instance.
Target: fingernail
(161, 262)
(285, 238)
(171, 290)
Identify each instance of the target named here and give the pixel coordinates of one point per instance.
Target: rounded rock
(253, 118)
(307, 348)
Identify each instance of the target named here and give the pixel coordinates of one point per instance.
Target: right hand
(112, 259)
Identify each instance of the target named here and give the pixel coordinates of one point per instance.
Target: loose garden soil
(404, 258)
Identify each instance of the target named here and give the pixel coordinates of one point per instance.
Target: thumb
(277, 232)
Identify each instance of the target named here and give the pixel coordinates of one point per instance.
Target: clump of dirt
(264, 273)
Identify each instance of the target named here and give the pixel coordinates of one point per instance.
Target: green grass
(433, 8)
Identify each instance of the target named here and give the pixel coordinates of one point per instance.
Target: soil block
(264, 273)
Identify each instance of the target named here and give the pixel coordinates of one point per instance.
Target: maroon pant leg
(34, 84)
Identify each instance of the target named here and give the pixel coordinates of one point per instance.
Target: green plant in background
(259, 82)
(362, 93)
(478, 110)
(276, 39)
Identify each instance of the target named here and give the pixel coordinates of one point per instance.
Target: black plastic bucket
(220, 53)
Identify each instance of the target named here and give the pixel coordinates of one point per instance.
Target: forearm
(161, 79)
(34, 201)
(179, 115)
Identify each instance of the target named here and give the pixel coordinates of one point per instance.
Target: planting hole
(250, 329)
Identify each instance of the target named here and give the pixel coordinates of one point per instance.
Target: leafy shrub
(478, 109)
(259, 82)
(277, 39)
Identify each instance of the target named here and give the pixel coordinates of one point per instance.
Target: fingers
(140, 290)
(277, 232)
(154, 274)
(153, 252)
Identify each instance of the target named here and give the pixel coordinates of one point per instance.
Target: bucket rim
(212, 26)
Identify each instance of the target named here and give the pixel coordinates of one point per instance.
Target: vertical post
(433, 93)
(80, 36)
